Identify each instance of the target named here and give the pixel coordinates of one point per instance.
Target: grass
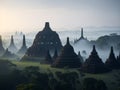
(22, 65)
(112, 79)
(45, 67)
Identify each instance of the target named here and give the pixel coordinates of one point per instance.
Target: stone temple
(82, 43)
(48, 58)
(44, 40)
(23, 48)
(81, 58)
(68, 58)
(55, 55)
(81, 37)
(12, 48)
(94, 64)
(2, 50)
(118, 58)
(112, 62)
(8, 55)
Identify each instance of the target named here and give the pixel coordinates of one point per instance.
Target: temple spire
(94, 50)
(47, 26)
(23, 49)
(12, 48)
(0, 40)
(111, 50)
(68, 41)
(82, 33)
(112, 53)
(12, 41)
(24, 41)
(79, 53)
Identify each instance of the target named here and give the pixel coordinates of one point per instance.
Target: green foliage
(119, 88)
(36, 76)
(6, 67)
(29, 86)
(6, 70)
(93, 84)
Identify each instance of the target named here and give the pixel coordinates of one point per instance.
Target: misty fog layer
(81, 46)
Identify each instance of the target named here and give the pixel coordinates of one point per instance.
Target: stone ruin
(94, 64)
(67, 58)
(44, 40)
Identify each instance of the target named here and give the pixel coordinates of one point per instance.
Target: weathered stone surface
(111, 62)
(55, 56)
(23, 48)
(12, 48)
(94, 64)
(9, 55)
(68, 58)
(44, 40)
(118, 58)
(48, 58)
(80, 57)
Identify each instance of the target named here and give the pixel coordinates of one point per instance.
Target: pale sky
(30, 15)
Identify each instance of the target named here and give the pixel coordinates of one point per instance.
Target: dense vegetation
(34, 76)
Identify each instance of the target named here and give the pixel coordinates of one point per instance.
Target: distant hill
(105, 42)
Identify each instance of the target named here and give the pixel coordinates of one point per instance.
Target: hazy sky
(28, 15)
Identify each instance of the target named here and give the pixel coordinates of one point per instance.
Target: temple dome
(44, 40)
(12, 48)
(23, 48)
(94, 64)
(111, 62)
(9, 55)
(68, 58)
(81, 43)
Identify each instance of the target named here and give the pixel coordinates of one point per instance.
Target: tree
(93, 84)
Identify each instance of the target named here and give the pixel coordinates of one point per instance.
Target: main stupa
(44, 40)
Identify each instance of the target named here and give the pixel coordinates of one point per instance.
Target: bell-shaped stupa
(81, 58)
(118, 58)
(68, 58)
(12, 48)
(44, 40)
(8, 55)
(23, 49)
(111, 62)
(94, 64)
